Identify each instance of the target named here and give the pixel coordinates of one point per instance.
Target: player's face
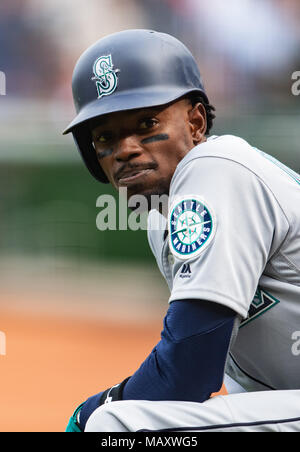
(141, 149)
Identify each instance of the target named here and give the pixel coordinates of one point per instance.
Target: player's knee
(110, 417)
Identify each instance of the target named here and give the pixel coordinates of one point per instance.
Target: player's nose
(127, 148)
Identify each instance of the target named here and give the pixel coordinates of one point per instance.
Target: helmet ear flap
(83, 139)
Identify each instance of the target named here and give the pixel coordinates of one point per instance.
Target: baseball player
(229, 249)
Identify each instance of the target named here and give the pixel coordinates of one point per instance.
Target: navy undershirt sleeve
(188, 362)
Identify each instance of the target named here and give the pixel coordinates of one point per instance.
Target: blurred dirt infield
(52, 364)
(66, 342)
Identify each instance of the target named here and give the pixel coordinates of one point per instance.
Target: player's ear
(197, 122)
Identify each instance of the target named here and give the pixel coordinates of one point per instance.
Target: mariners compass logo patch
(192, 226)
(105, 76)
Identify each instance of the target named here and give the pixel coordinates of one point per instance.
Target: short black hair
(196, 98)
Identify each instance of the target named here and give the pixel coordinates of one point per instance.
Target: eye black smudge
(159, 137)
(104, 153)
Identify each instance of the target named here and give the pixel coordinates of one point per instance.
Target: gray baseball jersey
(234, 238)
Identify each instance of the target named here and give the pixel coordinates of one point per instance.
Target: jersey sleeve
(224, 224)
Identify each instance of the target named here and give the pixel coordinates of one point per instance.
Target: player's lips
(128, 176)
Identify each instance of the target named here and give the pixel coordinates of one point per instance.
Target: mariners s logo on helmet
(192, 225)
(105, 76)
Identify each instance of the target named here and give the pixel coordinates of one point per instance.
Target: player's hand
(73, 425)
(84, 410)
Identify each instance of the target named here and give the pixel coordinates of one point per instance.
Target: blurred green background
(50, 209)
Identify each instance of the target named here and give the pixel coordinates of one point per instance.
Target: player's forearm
(188, 363)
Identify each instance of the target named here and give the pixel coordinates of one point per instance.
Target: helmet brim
(130, 100)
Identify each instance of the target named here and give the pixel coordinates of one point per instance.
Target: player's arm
(187, 364)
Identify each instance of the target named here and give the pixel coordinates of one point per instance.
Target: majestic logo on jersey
(185, 271)
(191, 227)
(262, 302)
(105, 76)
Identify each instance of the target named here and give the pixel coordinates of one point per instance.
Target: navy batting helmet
(124, 71)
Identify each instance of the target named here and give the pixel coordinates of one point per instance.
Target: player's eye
(104, 137)
(147, 123)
